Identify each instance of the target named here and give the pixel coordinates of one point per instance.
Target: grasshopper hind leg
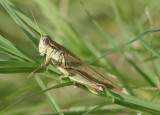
(96, 90)
(93, 90)
(93, 87)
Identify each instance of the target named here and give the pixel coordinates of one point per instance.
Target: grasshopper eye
(45, 41)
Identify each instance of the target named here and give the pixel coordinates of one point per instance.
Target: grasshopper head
(44, 44)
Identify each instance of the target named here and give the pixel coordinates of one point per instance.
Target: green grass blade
(54, 104)
(15, 63)
(8, 70)
(139, 104)
(23, 91)
(12, 49)
(134, 102)
(15, 66)
(35, 94)
(99, 106)
(3, 51)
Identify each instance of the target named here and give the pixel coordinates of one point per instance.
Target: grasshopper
(67, 63)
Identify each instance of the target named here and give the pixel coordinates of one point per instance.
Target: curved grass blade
(150, 59)
(99, 106)
(54, 104)
(23, 91)
(12, 49)
(3, 51)
(35, 94)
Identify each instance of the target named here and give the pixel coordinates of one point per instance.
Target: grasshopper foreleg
(46, 64)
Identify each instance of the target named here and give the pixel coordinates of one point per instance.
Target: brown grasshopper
(67, 63)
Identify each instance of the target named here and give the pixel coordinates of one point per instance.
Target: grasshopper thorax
(44, 44)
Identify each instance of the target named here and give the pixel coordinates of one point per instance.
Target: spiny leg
(46, 64)
(35, 70)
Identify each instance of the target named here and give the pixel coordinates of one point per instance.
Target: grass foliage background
(92, 30)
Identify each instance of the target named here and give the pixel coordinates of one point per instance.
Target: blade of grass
(23, 91)
(35, 94)
(139, 104)
(15, 63)
(7, 70)
(98, 53)
(54, 104)
(99, 112)
(8, 46)
(99, 106)
(134, 102)
(2, 51)
(103, 110)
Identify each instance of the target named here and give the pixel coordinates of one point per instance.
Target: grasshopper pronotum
(66, 62)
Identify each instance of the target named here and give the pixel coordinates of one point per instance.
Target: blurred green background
(121, 20)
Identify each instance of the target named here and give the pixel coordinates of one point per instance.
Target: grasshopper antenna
(39, 36)
(31, 28)
(35, 21)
